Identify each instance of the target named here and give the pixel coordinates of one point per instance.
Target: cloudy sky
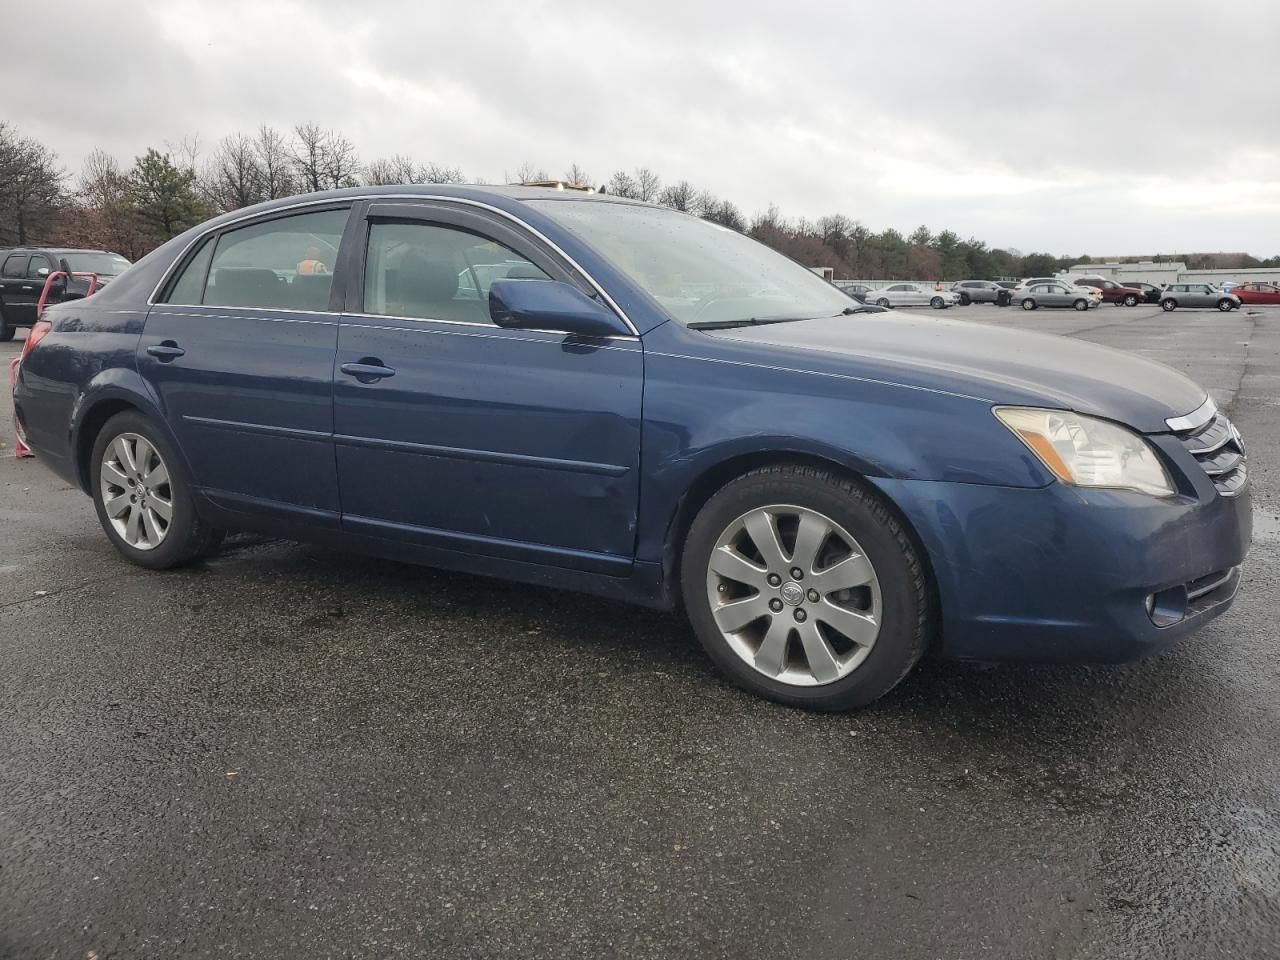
(1114, 127)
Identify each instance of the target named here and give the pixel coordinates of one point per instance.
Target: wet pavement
(292, 752)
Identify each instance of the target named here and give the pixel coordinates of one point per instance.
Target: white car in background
(912, 295)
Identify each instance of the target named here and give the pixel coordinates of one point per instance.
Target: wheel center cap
(792, 593)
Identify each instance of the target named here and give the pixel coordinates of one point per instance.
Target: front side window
(284, 264)
(697, 270)
(435, 272)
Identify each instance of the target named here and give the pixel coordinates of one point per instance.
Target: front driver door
(454, 433)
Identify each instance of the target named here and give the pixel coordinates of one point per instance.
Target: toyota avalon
(584, 392)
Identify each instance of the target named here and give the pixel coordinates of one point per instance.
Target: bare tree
(389, 171)
(343, 166)
(275, 163)
(101, 182)
(679, 196)
(621, 184)
(32, 187)
(648, 184)
(309, 155)
(529, 173)
(438, 173)
(577, 176)
(234, 178)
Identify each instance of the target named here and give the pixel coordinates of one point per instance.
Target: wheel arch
(96, 407)
(715, 476)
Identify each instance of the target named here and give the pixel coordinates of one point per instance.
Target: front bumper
(1060, 573)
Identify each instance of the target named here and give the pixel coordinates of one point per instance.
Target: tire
(1130, 300)
(897, 596)
(184, 537)
(965, 300)
(937, 303)
(883, 302)
(6, 331)
(1081, 305)
(1226, 305)
(1168, 306)
(1028, 304)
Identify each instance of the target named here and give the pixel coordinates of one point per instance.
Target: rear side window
(14, 266)
(285, 264)
(34, 267)
(435, 272)
(189, 287)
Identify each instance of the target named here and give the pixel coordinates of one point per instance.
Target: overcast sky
(1117, 127)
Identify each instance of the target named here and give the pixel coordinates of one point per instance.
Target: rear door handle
(368, 370)
(166, 351)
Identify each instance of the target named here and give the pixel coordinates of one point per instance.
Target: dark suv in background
(1112, 292)
(980, 291)
(23, 272)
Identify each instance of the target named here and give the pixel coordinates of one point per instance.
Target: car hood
(986, 362)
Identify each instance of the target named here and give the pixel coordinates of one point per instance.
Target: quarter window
(189, 287)
(15, 266)
(436, 272)
(286, 264)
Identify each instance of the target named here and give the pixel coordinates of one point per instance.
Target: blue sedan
(596, 394)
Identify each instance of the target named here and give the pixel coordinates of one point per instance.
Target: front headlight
(1088, 452)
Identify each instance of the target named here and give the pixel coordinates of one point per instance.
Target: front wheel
(1130, 301)
(6, 330)
(1168, 306)
(937, 303)
(883, 302)
(1226, 304)
(1028, 304)
(142, 497)
(805, 589)
(965, 299)
(1081, 305)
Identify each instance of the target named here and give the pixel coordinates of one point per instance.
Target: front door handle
(165, 351)
(368, 370)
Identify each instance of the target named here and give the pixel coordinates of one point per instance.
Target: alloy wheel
(136, 491)
(794, 595)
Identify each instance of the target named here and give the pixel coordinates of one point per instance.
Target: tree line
(133, 209)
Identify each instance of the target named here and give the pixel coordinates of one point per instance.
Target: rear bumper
(1062, 574)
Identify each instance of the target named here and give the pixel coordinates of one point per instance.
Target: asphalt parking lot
(292, 752)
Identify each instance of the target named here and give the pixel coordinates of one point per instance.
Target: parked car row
(23, 272)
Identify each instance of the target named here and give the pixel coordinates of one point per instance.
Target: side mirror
(42, 271)
(550, 305)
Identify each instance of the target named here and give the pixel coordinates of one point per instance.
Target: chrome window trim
(477, 326)
(465, 201)
(1196, 419)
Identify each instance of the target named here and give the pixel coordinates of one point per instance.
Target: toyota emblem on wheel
(792, 593)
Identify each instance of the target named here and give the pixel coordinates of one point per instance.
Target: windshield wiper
(745, 322)
(865, 308)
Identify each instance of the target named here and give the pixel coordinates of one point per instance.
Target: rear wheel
(6, 331)
(1226, 304)
(1028, 304)
(804, 588)
(1081, 304)
(1168, 305)
(142, 498)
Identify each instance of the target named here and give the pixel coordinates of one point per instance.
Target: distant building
(1149, 271)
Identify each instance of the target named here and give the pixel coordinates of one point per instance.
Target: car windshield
(700, 272)
(103, 264)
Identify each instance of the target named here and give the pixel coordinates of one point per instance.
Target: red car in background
(1257, 293)
(1112, 292)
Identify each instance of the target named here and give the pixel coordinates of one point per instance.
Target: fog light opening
(1167, 607)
